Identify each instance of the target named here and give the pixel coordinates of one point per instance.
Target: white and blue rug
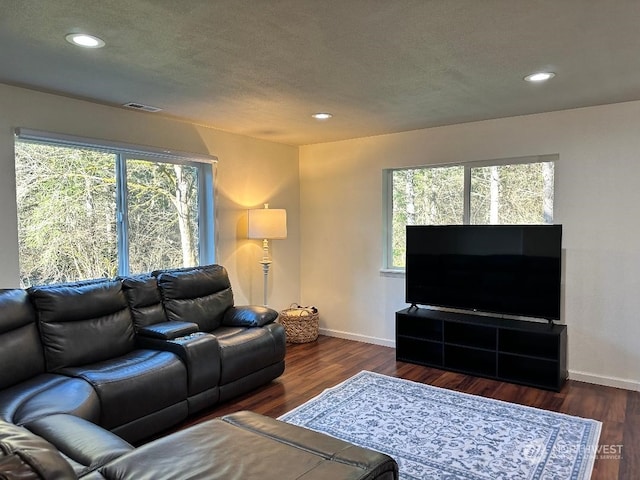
(435, 433)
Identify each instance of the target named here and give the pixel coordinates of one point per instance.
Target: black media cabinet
(517, 351)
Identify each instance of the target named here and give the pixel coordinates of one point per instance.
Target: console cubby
(477, 336)
(517, 351)
(528, 343)
(470, 360)
(422, 351)
(416, 328)
(531, 371)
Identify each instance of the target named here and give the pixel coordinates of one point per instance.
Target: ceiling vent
(140, 106)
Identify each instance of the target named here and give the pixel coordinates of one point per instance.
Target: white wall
(597, 199)
(250, 172)
(332, 257)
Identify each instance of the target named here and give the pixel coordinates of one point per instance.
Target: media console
(517, 351)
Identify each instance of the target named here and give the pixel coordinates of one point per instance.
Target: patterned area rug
(435, 433)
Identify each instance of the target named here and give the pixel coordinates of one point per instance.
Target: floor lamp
(267, 224)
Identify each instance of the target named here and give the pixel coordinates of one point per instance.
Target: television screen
(506, 269)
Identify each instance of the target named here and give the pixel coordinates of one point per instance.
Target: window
(87, 210)
(512, 191)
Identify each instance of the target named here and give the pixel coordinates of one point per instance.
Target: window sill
(392, 272)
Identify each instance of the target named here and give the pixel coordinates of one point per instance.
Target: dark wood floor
(312, 367)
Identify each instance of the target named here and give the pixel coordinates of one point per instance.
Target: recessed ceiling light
(322, 116)
(539, 77)
(84, 40)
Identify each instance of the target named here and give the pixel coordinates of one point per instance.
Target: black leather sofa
(86, 368)
(134, 355)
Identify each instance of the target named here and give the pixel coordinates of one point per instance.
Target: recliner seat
(27, 390)
(87, 333)
(203, 295)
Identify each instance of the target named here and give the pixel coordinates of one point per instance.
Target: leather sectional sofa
(86, 368)
(134, 355)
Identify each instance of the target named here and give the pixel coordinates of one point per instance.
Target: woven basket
(300, 323)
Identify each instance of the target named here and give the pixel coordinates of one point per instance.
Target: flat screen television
(505, 269)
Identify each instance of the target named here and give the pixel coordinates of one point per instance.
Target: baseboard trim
(358, 338)
(605, 381)
(573, 375)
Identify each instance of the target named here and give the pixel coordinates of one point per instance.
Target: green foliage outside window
(424, 196)
(68, 212)
(162, 214)
(512, 194)
(504, 193)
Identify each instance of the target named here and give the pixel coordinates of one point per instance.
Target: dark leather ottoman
(248, 446)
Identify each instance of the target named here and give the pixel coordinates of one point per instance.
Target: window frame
(387, 196)
(206, 166)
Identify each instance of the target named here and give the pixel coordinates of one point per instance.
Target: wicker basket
(300, 323)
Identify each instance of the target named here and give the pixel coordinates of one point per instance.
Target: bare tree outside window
(424, 196)
(68, 212)
(163, 215)
(512, 194)
(503, 193)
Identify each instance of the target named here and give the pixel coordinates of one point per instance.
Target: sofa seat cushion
(24, 455)
(84, 445)
(134, 385)
(47, 394)
(247, 350)
(248, 446)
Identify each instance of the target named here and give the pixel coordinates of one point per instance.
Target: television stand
(516, 351)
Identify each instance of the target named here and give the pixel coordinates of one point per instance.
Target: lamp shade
(269, 223)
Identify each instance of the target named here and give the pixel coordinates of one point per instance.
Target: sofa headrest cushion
(21, 355)
(193, 282)
(83, 323)
(72, 302)
(16, 309)
(144, 299)
(201, 295)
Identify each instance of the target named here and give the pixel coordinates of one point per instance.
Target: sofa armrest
(87, 446)
(198, 351)
(249, 316)
(168, 330)
(25, 455)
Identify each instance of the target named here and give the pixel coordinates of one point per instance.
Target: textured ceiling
(262, 67)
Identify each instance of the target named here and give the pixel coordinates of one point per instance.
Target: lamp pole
(266, 263)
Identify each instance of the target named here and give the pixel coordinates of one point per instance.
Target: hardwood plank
(313, 367)
(633, 406)
(630, 461)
